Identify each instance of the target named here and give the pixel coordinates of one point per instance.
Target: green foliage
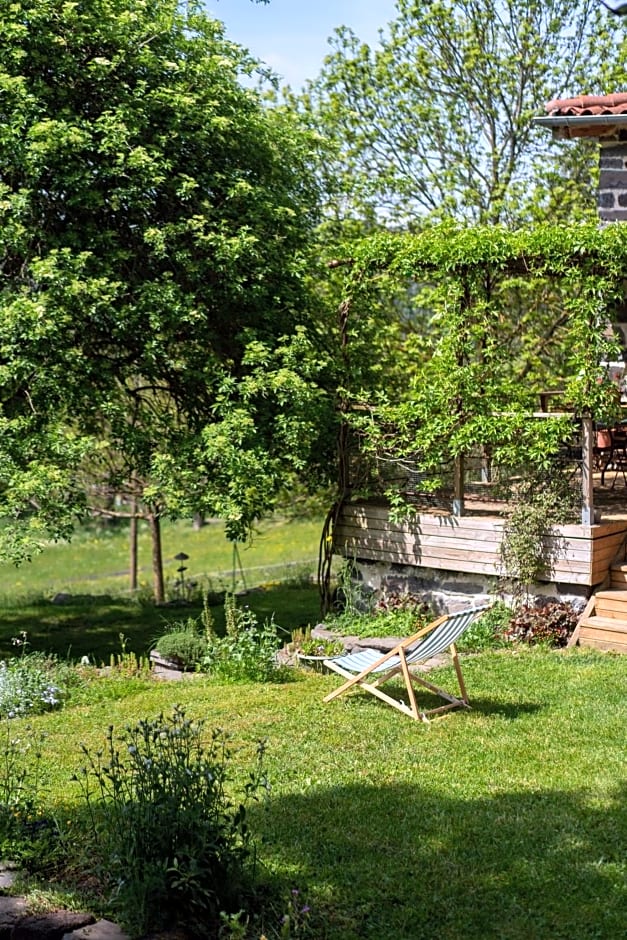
(548, 624)
(510, 314)
(126, 663)
(248, 651)
(27, 835)
(30, 683)
(458, 819)
(529, 543)
(158, 335)
(438, 119)
(175, 848)
(308, 645)
(487, 631)
(391, 614)
(184, 643)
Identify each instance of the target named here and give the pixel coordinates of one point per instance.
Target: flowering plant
(29, 685)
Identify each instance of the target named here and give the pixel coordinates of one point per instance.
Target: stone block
(52, 926)
(101, 930)
(615, 215)
(606, 200)
(613, 179)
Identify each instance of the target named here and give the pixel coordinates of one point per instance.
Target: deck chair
(362, 667)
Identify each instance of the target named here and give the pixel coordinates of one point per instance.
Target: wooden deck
(578, 554)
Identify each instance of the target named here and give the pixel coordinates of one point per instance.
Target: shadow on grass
(404, 863)
(508, 710)
(95, 625)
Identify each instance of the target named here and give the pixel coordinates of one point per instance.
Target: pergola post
(587, 462)
(458, 487)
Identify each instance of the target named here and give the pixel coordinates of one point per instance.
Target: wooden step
(611, 603)
(618, 576)
(605, 633)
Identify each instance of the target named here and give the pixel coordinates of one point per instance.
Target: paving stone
(11, 911)
(52, 926)
(101, 930)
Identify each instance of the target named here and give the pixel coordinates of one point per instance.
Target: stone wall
(448, 591)
(612, 192)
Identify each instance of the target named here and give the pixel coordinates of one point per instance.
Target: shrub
(249, 649)
(183, 643)
(393, 614)
(173, 845)
(550, 624)
(487, 631)
(29, 684)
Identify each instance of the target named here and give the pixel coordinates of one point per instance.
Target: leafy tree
(439, 119)
(154, 217)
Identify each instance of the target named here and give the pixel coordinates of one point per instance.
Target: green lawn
(508, 821)
(505, 822)
(96, 560)
(93, 570)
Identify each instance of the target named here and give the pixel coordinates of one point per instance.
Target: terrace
(430, 482)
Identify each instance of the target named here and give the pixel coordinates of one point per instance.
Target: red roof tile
(588, 104)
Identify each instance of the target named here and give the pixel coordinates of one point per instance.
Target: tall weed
(173, 845)
(249, 649)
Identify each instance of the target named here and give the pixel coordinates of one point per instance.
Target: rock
(11, 912)
(101, 930)
(53, 926)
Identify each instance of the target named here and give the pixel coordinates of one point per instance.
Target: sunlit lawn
(100, 616)
(508, 821)
(97, 559)
(505, 822)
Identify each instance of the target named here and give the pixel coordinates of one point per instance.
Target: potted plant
(181, 648)
(312, 650)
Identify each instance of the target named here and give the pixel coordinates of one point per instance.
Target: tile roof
(588, 105)
(600, 116)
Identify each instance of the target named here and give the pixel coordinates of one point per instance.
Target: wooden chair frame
(403, 657)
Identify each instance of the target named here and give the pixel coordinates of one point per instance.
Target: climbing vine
(501, 316)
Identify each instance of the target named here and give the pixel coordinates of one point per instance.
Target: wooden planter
(163, 668)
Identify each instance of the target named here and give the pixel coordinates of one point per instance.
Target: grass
(507, 821)
(99, 611)
(96, 560)
(502, 823)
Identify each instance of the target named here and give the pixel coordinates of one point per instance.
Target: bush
(29, 684)
(487, 631)
(173, 845)
(393, 614)
(183, 643)
(249, 649)
(550, 624)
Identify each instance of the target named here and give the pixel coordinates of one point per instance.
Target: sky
(291, 35)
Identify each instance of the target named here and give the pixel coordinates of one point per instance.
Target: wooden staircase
(603, 623)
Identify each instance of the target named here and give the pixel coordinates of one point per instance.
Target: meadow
(97, 614)
(505, 821)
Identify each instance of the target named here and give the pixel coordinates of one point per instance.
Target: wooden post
(587, 464)
(458, 487)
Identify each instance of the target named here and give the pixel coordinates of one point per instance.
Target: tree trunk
(133, 545)
(157, 557)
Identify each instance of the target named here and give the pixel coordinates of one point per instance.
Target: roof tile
(588, 104)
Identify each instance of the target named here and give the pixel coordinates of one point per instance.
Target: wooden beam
(587, 466)
(458, 487)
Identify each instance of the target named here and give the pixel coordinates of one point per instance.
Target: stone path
(18, 923)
